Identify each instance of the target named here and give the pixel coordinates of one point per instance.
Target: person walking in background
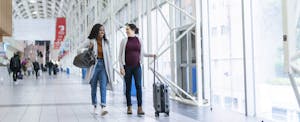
(15, 66)
(36, 67)
(23, 66)
(29, 66)
(50, 66)
(55, 67)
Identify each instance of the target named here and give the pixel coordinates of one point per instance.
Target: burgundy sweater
(132, 52)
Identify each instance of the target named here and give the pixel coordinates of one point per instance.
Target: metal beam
(172, 84)
(163, 80)
(181, 10)
(244, 58)
(163, 16)
(164, 40)
(294, 86)
(177, 39)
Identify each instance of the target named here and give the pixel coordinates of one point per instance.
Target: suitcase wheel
(167, 113)
(156, 114)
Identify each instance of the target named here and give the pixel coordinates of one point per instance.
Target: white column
(172, 38)
(199, 51)
(285, 35)
(139, 4)
(206, 48)
(149, 42)
(112, 34)
(249, 58)
(149, 26)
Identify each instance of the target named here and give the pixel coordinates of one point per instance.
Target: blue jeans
(49, 70)
(137, 74)
(101, 76)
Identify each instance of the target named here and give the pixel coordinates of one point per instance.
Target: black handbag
(85, 59)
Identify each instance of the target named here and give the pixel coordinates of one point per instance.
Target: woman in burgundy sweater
(130, 57)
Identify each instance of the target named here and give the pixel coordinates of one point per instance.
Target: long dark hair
(133, 27)
(95, 31)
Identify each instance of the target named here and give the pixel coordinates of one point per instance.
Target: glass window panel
(227, 54)
(275, 98)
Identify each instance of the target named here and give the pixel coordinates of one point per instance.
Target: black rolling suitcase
(160, 97)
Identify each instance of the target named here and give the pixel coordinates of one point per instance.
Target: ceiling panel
(40, 9)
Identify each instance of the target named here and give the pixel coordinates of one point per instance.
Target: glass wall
(275, 98)
(226, 49)
(162, 40)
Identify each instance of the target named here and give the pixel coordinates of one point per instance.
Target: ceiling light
(32, 1)
(35, 12)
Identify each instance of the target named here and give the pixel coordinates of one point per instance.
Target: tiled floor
(65, 98)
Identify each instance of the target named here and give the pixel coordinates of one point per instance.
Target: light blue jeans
(100, 77)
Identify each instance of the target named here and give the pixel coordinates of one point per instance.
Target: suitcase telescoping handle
(154, 71)
(154, 62)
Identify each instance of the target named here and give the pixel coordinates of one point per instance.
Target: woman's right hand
(122, 71)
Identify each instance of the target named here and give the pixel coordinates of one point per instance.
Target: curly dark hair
(95, 31)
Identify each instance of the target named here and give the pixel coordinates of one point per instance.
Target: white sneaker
(94, 111)
(103, 111)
